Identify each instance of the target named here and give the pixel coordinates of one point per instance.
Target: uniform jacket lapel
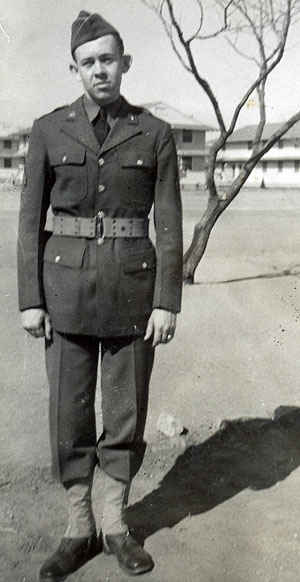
(126, 126)
(77, 126)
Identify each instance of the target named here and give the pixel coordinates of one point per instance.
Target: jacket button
(101, 188)
(64, 158)
(101, 162)
(139, 162)
(57, 258)
(145, 265)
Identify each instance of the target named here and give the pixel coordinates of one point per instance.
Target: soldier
(96, 280)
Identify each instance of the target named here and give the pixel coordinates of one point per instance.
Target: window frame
(187, 136)
(7, 144)
(7, 164)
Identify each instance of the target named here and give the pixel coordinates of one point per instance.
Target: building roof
(9, 131)
(247, 133)
(177, 119)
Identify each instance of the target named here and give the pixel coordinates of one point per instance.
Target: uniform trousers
(72, 363)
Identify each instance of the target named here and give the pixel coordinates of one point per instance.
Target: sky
(35, 57)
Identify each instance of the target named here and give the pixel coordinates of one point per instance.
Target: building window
(280, 166)
(249, 145)
(7, 162)
(297, 165)
(7, 144)
(187, 136)
(187, 162)
(264, 166)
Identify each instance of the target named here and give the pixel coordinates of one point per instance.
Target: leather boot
(132, 557)
(79, 543)
(71, 554)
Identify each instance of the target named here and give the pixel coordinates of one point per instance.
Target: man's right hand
(37, 322)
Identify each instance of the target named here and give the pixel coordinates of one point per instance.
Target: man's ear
(74, 69)
(127, 60)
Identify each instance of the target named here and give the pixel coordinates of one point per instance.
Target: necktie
(101, 127)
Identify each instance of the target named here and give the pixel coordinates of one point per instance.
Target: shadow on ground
(292, 271)
(245, 453)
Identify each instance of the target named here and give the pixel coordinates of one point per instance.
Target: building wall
(5, 150)
(279, 167)
(271, 173)
(198, 164)
(12, 154)
(276, 174)
(15, 163)
(198, 139)
(190, 162)
(283, 149)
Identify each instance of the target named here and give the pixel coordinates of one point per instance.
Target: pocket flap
(140, 262)
(140, 159)
(65, 251)
(63, 156)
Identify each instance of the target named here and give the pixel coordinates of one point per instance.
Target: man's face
(99, 67)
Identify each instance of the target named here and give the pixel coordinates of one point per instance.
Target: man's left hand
(161, 327)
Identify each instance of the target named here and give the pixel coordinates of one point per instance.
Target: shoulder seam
(53, 111)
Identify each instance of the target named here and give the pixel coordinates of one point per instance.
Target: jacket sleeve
(168, 226)
(32, 219)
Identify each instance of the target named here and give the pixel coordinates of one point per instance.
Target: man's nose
(99, 69)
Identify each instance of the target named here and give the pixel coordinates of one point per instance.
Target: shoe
(71, 554)
(132, 558)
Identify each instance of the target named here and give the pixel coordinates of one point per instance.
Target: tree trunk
(202, 230)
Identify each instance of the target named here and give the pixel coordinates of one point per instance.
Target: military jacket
(108, 289)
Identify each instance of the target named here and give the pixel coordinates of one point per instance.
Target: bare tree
(268, 22)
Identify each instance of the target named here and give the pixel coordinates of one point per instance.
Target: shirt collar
(92, 108)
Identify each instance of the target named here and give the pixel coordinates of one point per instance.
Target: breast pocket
(137, 170)
(139, 160)
(69, 167)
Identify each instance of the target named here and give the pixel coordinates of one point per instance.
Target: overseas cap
(88, 27)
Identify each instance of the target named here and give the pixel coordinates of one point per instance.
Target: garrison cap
(88, 27)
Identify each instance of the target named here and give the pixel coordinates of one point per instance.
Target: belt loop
(76, 226)
(99, 228)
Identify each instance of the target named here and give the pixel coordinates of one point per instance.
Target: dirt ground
(219, 504)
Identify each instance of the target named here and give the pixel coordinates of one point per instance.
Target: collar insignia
(132, 119)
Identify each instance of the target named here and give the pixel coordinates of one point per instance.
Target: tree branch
(195, 35)
(266, 70)
(174, 47)
(202, 82)
(217, 32)
(256, 156)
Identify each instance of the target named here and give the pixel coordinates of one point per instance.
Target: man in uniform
(97, 280)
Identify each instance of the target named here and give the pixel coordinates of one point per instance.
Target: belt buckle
(99, 227)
